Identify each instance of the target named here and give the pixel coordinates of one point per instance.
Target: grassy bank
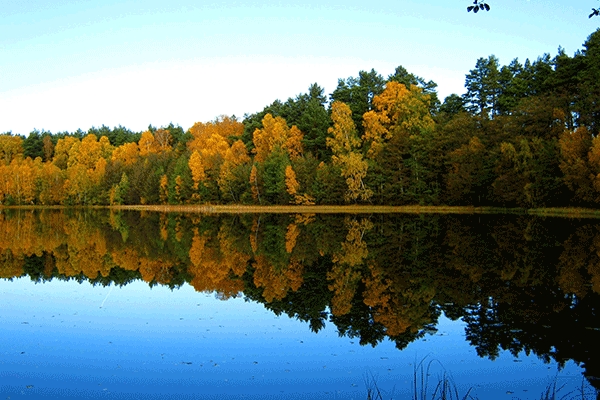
(363, 209)
(348, 209)
(293, 209)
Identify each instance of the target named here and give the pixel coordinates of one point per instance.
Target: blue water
(65, 340)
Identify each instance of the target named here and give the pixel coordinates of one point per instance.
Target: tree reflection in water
(521, 283)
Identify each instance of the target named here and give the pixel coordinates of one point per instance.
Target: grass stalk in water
(445, 389)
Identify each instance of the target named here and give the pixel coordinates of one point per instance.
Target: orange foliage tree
(10, 147)
(397, 111)
(345, 145)
(275, 133)
(232, 175)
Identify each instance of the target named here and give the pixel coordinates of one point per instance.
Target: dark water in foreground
(128, 305)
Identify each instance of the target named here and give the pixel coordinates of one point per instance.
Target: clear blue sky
(75, 64)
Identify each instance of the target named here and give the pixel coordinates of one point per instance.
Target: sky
(73, 64)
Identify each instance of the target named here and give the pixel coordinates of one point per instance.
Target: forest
(523, 135)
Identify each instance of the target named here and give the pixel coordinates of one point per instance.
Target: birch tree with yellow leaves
(274, 134)
(398, 134)
(234, 173)
(345, 145)
(86, 167)
(212, 140)
(276, 145)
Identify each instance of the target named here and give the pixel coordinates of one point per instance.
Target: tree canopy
(524, 134)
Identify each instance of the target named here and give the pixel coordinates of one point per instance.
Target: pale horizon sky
(68, 65)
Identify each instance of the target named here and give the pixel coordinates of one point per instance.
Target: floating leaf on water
(592, 328)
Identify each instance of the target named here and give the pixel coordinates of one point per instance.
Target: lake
(118, 305)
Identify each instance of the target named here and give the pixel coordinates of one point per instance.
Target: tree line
(523, 135)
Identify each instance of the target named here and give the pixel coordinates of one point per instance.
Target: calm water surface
(124, 306)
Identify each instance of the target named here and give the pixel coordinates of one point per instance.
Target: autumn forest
(523, 135)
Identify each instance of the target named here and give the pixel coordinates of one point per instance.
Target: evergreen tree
(401, 75)
(33, 144)
(483, 88)
(589, 84)
(273, 174)
(358, 94)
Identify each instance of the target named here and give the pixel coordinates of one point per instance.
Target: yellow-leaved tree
(275, 133)
(276, 146)
(398, 137)
(345, 145)
(127, 153)
(254, 184)
(576, 152)
(158, 142)
(232, 176)
(293, 188)
(212, 140)
(396, 111)
(10, 147)
(197, 169)
(163, 193)
(86, 167)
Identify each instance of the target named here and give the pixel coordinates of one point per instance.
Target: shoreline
(331, 209)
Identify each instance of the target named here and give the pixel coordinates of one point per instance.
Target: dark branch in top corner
(481, 5)
(478, 5)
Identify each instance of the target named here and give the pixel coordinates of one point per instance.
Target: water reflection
(521, 283)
